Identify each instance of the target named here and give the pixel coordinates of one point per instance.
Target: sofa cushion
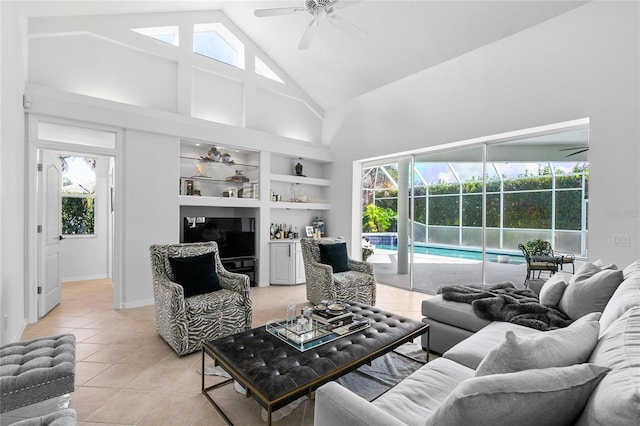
(626, 296)
(335, 255)
(196, 274)
(616, 399)
(457, 314)
(632, 270)
(471, 351)
(589, 290)
(419, 395)
(555, 348)
(552, 290)
(593, 316)
(550, 396)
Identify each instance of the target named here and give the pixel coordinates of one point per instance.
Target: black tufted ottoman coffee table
(275, 373)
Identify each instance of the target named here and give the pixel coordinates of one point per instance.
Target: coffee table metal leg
(217, 385)
(218, 409)
(428, 344)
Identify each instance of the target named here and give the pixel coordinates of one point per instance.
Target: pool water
(457, 253)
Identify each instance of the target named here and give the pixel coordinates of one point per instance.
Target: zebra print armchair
(355, 285)
(184, 323)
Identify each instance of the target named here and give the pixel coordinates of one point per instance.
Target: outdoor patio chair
(196, 309)
(562, 259)
(540, 263)
(352, 281)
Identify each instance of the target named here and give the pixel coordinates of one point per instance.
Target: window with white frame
(78, 195)
(217, 42)
(168, 34)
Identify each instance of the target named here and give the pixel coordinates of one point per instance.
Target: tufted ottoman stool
(37, 370)
(66, 417)
(275, 373)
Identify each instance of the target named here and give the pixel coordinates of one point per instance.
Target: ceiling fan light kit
(318, 9)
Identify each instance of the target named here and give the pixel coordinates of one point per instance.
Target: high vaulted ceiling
(403, 37)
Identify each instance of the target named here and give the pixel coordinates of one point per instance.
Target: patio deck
(433, 271)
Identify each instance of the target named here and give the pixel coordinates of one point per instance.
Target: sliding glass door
(457, 216)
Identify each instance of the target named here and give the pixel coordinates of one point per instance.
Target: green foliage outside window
(527, 203)
(77, 215)
(377, 219)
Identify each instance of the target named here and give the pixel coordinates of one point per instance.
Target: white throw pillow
(555, 348)
(549, 396)
(589, 290)
(552, 290)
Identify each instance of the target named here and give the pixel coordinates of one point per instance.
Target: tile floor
(127, 375)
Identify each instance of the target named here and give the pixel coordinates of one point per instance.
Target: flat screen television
(235, 235)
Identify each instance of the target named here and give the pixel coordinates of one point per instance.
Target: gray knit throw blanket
(504, 302)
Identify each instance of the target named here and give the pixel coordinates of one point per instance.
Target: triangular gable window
(264, 70)
(165, 34)
(217, 42)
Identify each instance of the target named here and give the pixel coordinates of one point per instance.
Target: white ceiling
(403, 37)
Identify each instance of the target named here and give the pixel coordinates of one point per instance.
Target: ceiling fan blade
(347, 27)
(305, 41)
(577, 152)
(260, 13)
(574, 148)
(342, 4)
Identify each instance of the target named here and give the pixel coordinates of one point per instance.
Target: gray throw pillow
(593, 316)
(599, 263)
(555, 348)
(589, 290)
(552, 290)
(550, 396)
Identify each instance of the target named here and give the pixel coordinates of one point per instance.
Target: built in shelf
(300, 179)
(299, 206)
(195, 200)
(221, 164)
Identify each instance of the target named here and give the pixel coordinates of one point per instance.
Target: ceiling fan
(576, 150)
(318, 9)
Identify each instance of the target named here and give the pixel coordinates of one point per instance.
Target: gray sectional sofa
(585, 374)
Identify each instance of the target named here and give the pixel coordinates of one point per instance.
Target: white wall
(151, 212)
(85, 258)
(12, 200)
(583, 64)
(100, 56)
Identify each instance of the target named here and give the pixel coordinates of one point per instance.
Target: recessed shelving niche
(218, 175)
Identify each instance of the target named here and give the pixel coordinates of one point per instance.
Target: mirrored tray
(314, 334)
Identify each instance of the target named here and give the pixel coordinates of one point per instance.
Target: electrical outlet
(620, 240)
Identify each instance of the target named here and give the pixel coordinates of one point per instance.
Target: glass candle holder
(291, 314)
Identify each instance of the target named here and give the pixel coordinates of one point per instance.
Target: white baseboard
(85, 278)
(137, 304)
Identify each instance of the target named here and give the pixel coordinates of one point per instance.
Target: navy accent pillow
(197, 274)
(335, 255)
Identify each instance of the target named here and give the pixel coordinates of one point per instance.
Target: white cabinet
(286, 265)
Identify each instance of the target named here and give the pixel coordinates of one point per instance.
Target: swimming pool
(458, 253)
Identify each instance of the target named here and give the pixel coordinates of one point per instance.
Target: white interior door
(50, 285)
